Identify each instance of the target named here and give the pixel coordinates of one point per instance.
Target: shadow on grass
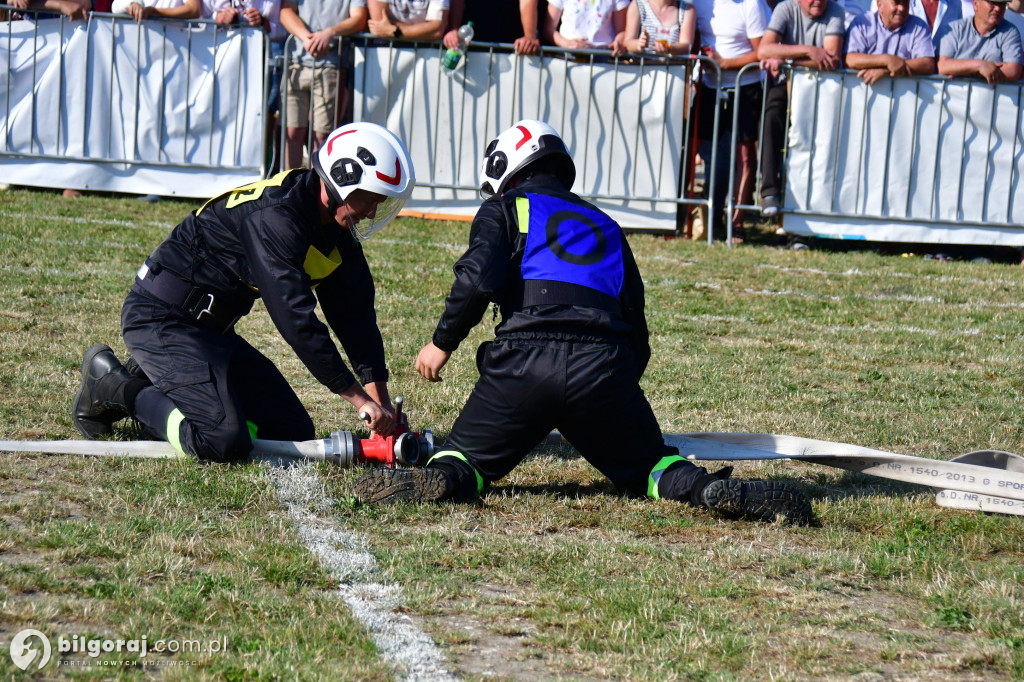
(559, 490)
(855, 485)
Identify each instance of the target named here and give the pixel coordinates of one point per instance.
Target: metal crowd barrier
(917, 159)
(286, 65)
(920, 158)
(597, 103)
(731, 203)
(923, 158)
(109, 98)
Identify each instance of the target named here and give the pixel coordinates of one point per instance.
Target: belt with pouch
(214, 309)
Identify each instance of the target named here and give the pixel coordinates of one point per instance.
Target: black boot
(387, 486)
(133, 368)
(106, 395)
(758, 500)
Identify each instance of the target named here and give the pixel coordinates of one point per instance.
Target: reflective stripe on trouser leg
(252, 429)
(174, 420)
(458, 455)
(656, 473)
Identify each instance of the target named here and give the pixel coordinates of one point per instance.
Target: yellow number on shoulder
(249, 192)
(254, 191)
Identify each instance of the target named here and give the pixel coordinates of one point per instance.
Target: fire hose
(402, 447)
(985, 480)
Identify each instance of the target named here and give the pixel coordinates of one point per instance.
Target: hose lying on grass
(985, 480)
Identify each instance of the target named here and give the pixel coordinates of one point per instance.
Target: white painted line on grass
(855, 272)
(87, 221)
(345, 557)
(903, 298)
(838, 328)
(450, 246)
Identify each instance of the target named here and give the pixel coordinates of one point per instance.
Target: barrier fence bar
(87, 105)
(629, 121)
(590, 97)
(861, 162)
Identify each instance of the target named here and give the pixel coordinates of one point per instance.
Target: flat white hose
(997, 486)
(986, 480)
(152, 449)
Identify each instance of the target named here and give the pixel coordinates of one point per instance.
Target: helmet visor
(386, 211)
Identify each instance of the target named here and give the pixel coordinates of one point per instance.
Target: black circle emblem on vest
(551, 232)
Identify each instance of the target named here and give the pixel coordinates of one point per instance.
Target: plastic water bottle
(453, 57)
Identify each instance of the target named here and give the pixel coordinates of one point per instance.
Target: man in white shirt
(583, 24)
(408, 18)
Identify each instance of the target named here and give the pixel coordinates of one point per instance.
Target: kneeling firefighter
(568, 353)
(195, 382)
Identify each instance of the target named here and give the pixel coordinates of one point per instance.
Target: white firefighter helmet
(516, 148)
(369, 157)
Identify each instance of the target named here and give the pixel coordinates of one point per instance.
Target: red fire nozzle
(402, 447)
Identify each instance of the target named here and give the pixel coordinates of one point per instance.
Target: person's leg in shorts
(296, 115)
(324, 103)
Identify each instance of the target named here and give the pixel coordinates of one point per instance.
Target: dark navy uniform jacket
(266, 240)
(563, 239)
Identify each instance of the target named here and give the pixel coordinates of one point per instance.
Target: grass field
(552, 575)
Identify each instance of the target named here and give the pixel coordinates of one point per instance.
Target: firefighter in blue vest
(568, 353)
(292, 240)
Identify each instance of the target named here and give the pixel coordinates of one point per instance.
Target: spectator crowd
(878, 39)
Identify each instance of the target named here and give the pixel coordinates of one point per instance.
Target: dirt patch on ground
(892, 640)
(497, 649)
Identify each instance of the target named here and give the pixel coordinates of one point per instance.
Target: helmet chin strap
(332, 204)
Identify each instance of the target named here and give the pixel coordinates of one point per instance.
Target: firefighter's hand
(379, 420)
(430, 361)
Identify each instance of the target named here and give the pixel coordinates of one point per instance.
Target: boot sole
(90, 428)
(388, 486)
(769, 501)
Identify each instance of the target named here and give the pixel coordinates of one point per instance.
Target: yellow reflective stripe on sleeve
(174, 420)
(657, 471)
(460, 456)
(523, 213)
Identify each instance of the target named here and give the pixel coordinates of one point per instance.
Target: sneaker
(387, 486)
(758, 500)
(770, 206)
(149, 198)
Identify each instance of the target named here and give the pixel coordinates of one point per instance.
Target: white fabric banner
(160, 107)
(909, 159)
(623, 125)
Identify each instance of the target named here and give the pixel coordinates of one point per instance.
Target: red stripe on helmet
(330, 142)
(527, 135)
(392, 179)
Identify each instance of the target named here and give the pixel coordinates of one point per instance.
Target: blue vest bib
(567, 242)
